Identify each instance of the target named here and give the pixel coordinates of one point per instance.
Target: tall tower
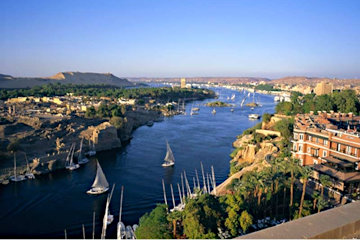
(183, 83)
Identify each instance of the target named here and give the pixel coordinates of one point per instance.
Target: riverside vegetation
(261, 196)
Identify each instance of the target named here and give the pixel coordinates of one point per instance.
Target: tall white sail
(100, 179)
(169, 158)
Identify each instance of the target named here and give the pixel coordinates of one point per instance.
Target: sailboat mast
(182, 186)
(213, 177)
(93, 232)
(65, 233)
(121, 200)
(197, 179)
(83, 231)
(180, 195)
(15, 165)
(163, 184)
(172, 195)
(203, 176)
(208, 183)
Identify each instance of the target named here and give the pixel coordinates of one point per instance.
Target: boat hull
(94, 191)
(72, 167)
(83, 161)
(18, 178)
(168, 164)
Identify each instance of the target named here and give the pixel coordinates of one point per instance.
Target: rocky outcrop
(254, 154)
(104, 136)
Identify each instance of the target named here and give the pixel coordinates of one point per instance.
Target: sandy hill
(7, 81)
(312, 81)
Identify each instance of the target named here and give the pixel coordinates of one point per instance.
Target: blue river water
(44, 207)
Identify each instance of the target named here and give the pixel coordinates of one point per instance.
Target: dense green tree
(284, 108)
(117, 122)
(324, 103)
(246, 220)
(234, 203)
(285, 127)
(90, 112)
(154, 225)
(202, 217)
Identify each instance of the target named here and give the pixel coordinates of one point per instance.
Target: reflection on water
(44, 207)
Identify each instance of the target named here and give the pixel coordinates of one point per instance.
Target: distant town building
(330, 144)
(183, 83)
(323, 88)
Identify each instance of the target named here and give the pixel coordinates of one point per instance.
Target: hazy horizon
(138, 38)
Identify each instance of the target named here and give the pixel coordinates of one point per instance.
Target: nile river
(44, 207)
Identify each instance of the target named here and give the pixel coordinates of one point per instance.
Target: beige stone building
(183, 83)
(323, 88)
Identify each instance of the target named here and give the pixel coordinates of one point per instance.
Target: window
(310, 138)
(348, 149)
(309, 150)
(355, 152)
(316, 152)
(301, 136)
(316, 161)
(324, 153)
(295, 136)
(300, 148)
(325, 142)
(317, 140)
(338, 147)
(294, 147)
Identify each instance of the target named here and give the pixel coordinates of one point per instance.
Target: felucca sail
(169, 158)
(100, 179)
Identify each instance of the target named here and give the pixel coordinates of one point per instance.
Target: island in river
(218, 104)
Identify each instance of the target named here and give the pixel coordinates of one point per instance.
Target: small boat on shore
(149, 123)
(100, 184)
(169, 159)
(69, 164)
(28, 173)
(92, 151)
(81, 158)
(15, 177)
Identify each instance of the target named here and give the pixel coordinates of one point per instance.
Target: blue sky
(172, 38)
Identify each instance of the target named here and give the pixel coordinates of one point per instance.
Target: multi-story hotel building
(330, 144)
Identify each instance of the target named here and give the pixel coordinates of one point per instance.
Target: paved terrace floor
(340, 222)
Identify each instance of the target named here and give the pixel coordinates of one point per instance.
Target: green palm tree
(322, 203)
(292, 167)
(325, 181)
(305, 172)
(315, 197)
(174, 217)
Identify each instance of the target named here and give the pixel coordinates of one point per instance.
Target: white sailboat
(121, 231)
(28, 173)
(16, 178)
(169, 159)
(70, 165)
(213, 111)
(100, 184)
(233, 97)
(81, 158)
(254, 116)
